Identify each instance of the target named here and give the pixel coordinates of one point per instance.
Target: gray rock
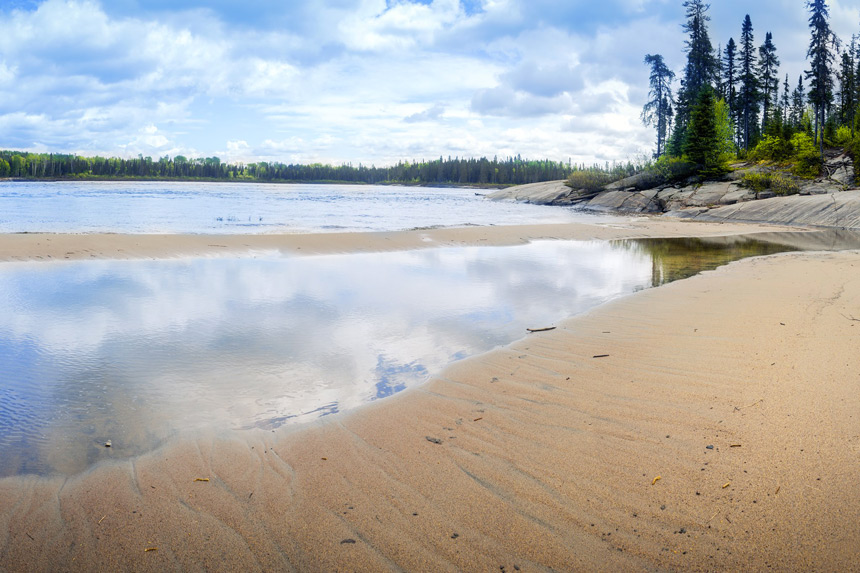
(538, 193)
(840, 210)
(608, 201)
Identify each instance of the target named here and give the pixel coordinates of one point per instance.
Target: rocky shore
(832, 200)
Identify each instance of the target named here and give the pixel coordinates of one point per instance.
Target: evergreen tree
(748, 94)
(847, 103)
(702, 65)
(768, 66)
(785, 103)
(798, 101)
(658, 111)
(730, 75)
(821, 57)
(703, 145)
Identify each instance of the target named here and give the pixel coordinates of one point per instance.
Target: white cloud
(371, 81)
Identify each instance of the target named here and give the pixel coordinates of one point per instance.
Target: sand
(705, 425)
(53, 247)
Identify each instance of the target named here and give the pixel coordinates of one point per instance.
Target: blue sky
(361, 81)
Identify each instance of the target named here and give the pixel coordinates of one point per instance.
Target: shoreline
(68, 246)
(548, 455)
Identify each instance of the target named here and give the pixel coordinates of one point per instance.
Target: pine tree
(768, 66)
(703, 143)
(786, 101)
(658, 111)
(702, 65)
(730, 79)
(798, 101)
(821, 57)
(846, 76)
(748, 95)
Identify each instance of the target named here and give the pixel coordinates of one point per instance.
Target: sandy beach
(710, 424)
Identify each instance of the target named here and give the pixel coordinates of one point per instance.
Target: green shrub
(756, 181)
(590, 179)
(806, 156)
(772, 148)
(673, 168)
(843, 136)
(782, 184)
(779, 183)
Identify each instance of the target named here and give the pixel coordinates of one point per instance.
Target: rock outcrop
(828, 201)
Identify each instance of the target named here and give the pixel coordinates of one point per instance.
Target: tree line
(733, 102)
(456, 171)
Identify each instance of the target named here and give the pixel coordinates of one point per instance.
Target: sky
(356, 81)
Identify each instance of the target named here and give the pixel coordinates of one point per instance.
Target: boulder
(546, 193)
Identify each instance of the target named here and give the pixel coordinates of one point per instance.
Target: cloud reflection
(135, 351)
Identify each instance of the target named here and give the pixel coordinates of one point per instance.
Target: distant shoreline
(253, 181)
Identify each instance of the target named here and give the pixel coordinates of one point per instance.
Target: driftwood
(547, 329)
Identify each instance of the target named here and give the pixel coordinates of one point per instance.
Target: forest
(471, 172)
(733, 103)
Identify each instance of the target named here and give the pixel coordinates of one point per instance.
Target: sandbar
(709, 424)
(59, 247)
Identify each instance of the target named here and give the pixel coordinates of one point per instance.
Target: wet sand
(711, 424)
(48, 246)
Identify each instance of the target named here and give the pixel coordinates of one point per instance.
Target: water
(137, 352)
(216, 208)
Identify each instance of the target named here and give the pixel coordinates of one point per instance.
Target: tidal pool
(137, 352)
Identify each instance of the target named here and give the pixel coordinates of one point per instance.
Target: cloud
(353, 80)
(430, 114)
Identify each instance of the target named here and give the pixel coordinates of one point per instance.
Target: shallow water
(187, 207)
(138, 351)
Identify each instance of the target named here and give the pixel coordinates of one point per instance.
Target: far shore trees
(658, 112)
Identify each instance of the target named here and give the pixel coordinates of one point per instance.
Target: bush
(590, 179)
(756, 181)
(807, 159)
(843, 136)
(779, 183)
(673, 168)
(772, 148)
(782, 184)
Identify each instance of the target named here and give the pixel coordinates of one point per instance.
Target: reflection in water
(137, 351)
(676, 259)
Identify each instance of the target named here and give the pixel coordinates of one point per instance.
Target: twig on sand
(102, 519)
(201, 479)
(851, 318)
(759, 401)
(547, 329)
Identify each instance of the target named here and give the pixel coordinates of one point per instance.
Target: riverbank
(58, 247)
(706, 425)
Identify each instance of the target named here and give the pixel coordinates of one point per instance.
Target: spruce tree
(730, 75)
(798, 101)
(702, 65)
(846, 89)
(658, 110)
(702, 146)
(748, 94)
(821, 56)
(785, 102)
(768, 66)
